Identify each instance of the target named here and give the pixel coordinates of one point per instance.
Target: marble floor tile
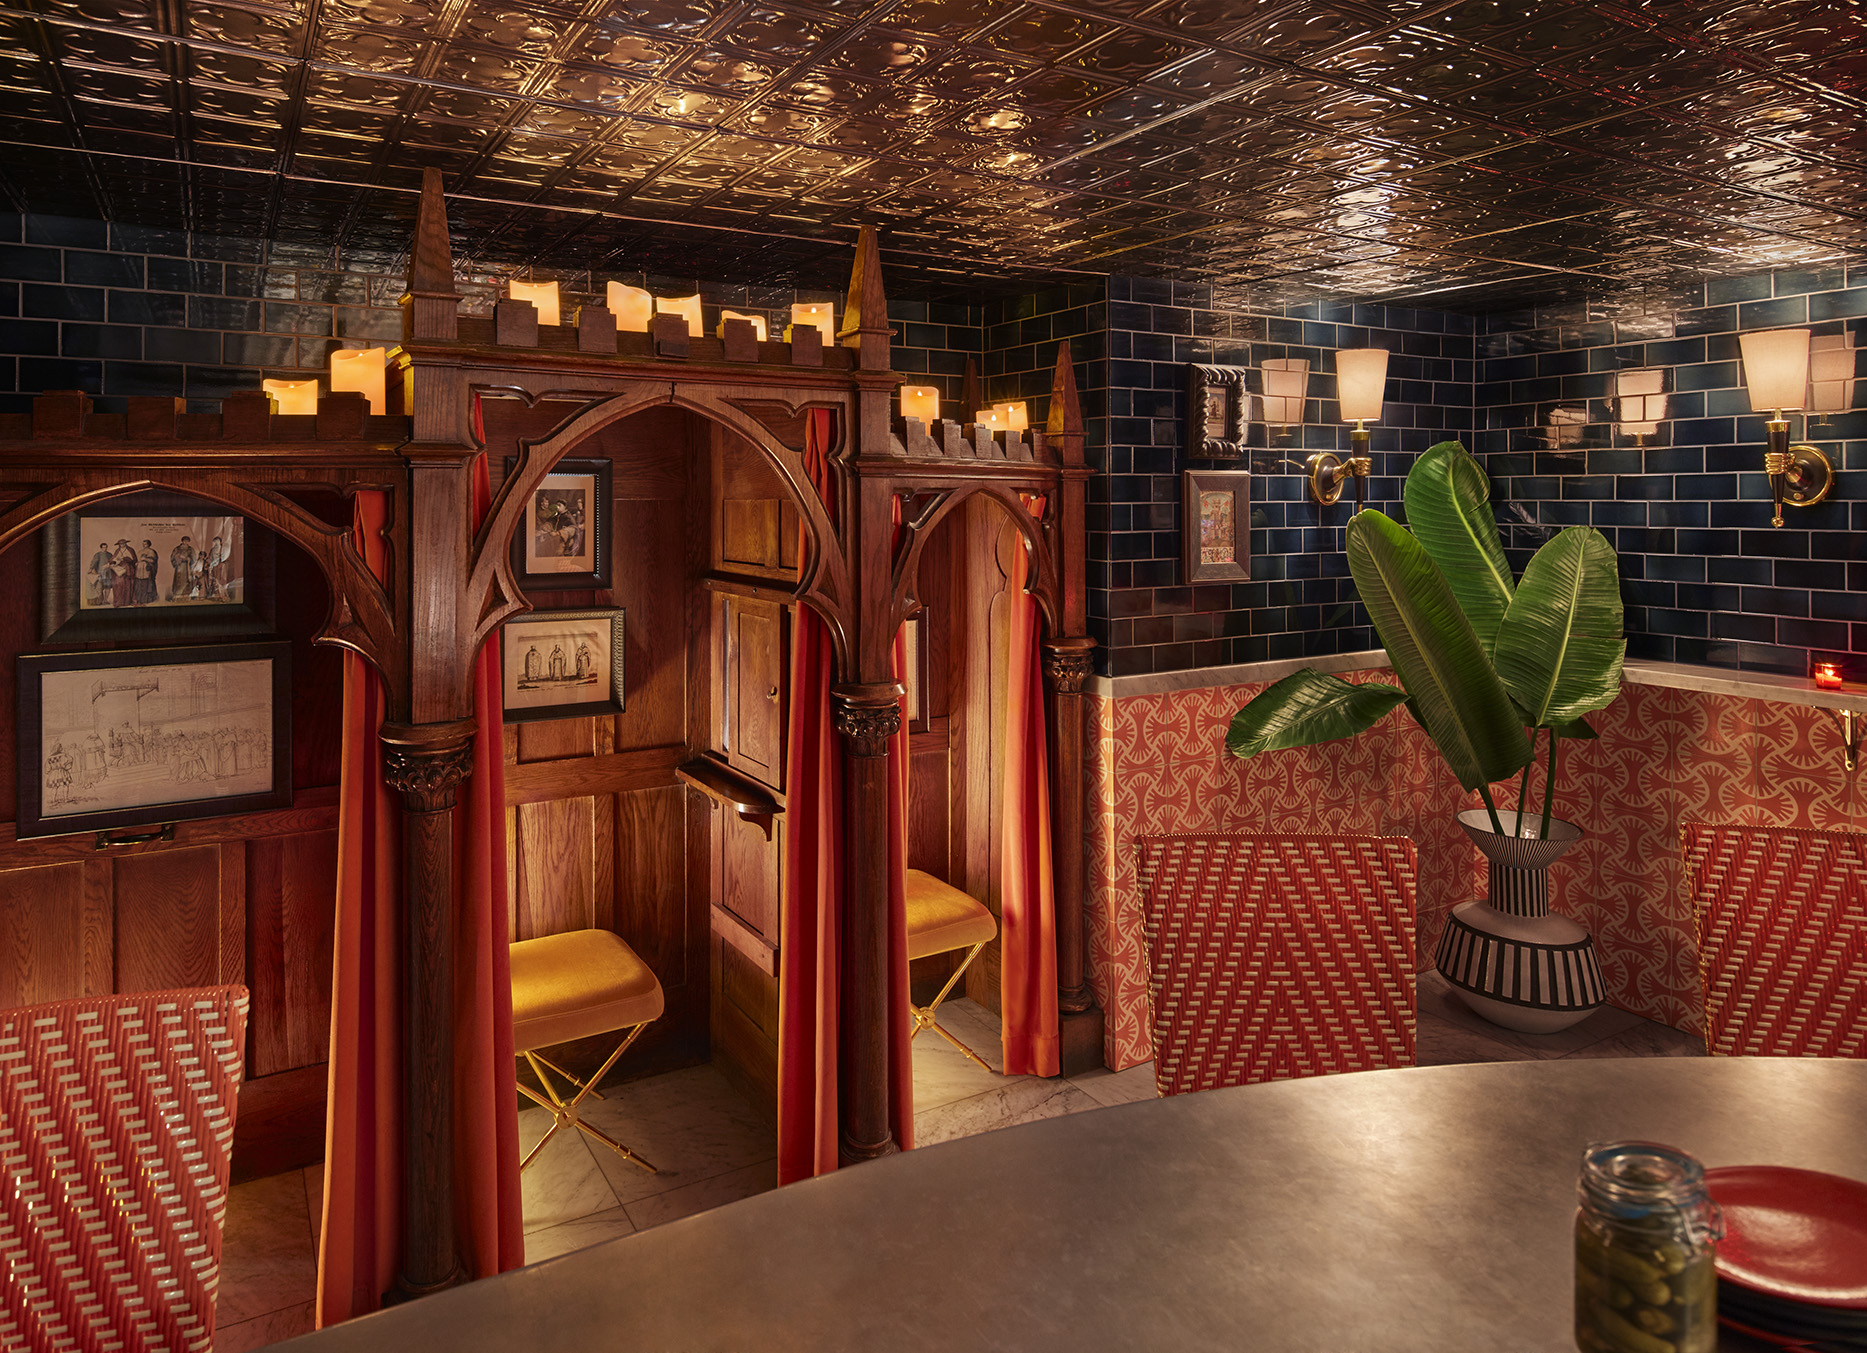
(1445, 1043)
(1013, 1100)
(703, 1195)
(1437, 998)
(1118, 1087)
(1647, 1040)
(689, 1124)
(564, 1182)
(1067, 1100)
(267, 1263)
(577, 1235)
(944, 1075)
(245, 1335)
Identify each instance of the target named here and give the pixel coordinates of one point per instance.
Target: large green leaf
(1560, 646)
(1308, 707)
(1448, 499)
(1456, 693)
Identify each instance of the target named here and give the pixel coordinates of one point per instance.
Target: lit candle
(542, 295)
(688, 307)
(293, 396)
(631, 306)
(922, 402)
(1014, 414)
(360, 369)
(990, 418)
(1828, 674)
(821, 314)
(758, 323)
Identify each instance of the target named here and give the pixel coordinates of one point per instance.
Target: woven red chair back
(114, 1145)
(1782, 940)
(1272, 957)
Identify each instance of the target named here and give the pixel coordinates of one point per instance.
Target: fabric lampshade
(1776, 368)
(1286, 384)
(1360, 382)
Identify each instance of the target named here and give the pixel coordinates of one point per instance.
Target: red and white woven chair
(1272, 957)
(1782, 939)
(116, 1128)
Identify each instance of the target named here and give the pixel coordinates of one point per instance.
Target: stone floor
(711, 1147)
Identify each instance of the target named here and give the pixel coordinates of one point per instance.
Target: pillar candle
(990, 418)
(820, 313)
(360, 369)
(688, 307)
(1015, 415)
(758, 323)
(922, 402)
(293, 396)
(631, 306)
(542, 295)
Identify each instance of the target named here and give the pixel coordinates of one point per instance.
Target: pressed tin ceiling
(1467, 153)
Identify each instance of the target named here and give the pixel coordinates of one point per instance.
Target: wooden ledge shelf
(745, 796)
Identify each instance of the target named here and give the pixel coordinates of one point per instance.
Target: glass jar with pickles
(1643, 1252)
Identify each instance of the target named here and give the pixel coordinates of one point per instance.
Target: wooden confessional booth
(664, 822)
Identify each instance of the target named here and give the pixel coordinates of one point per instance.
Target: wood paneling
(652, 905)
(42, 940)
(291, 891)
(170, 921)
(556, 868)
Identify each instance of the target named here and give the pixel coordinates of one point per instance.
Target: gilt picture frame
(152, 735)
(562, 664)
(1215, 530)
(563, 540)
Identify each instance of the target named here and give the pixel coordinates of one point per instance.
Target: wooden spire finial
(865, 314)
(432, 308)
(1064, 426)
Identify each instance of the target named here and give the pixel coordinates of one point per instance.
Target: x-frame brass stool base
(924, 1014)
(564, 1113)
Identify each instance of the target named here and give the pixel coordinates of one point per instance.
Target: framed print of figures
(562, 664)
(153, 566)
(1215, 531)
(563, 541)
(148, 735)
(1215, 412)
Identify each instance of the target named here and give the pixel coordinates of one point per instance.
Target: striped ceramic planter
(1510, 958)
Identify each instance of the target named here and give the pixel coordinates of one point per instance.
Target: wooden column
(1066, 667)
(867, 715)
(425, 763)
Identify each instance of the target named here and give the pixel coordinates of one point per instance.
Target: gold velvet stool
(941, 918)
(577, 985)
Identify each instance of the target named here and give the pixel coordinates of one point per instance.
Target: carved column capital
(425, 763)
(867, 715)
(1067, 663)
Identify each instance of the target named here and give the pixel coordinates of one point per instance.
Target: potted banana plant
(1491, 667)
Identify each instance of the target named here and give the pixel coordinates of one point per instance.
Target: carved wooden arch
(824, 584)
(362, 617)
(1043, 583)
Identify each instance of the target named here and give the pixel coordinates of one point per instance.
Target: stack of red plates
(1792, 1267)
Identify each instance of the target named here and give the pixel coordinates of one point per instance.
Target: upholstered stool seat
(578, 985)
(940, 919)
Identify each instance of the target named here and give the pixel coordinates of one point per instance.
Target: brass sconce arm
(1329, 474)
(1850, 737)
(1800, 476)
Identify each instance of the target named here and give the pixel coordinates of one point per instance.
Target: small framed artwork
(914, 633)
(563, 541)
(146, 735)
(562, 664)
(1216, 402)
(153, 566)
(1216, 525)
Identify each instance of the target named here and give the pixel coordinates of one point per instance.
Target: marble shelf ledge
(1785, 690)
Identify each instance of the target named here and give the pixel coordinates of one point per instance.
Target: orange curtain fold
(809, 991)
(1027, 895)
(362, 1225)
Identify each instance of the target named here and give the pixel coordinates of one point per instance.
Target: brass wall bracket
(1329, 474)
(1850, 737)
(1800, 476)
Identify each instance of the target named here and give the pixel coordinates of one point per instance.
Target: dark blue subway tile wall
(1706, 578)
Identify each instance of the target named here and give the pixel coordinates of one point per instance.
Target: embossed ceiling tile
(1057, 91)
(904, 107)
(854, 134)
(527, 31)
(600, 88)
(947, 20)
(630, 53)
(1214, 20)
(1128, 55)
(110, 50)
(421, 15)
(787, 35)
(514, 176)
(204, 150)
(530, 149)
(459, 105)
(237, 104)
(261, 30)
(430, 135)
(381, 51)
(449, 161)
(1043, 35)
(1207, 74)
(737, 152)
(877, 54)
(117, 87)
(486, 70)
(785, 124)
(727, 73)
(673, 191)
(140, 117)
(357, 90)
(583, 125)
(116, 13)
(243, 72)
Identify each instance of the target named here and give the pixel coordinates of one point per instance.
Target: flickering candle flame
(820, 314)
(293, 396)
(360, 369)
(920, 401)
(631, 306)
(1015, 415)
(990, 418)
(542, 295)
(1827, 674)
(688, 307)
(758, 323)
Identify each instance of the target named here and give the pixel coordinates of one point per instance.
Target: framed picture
(920, 708)
(1215, 520)
(153, 566)
(1216, 403)
(148, 735)
(563, 541)
(562, 664)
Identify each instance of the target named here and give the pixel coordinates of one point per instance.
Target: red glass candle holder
(1827, 674)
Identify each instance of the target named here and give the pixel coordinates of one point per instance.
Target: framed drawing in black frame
(562, 664)
(562, 542)
(127, 738)
(1216, 401)
(1215, 531)
(153, 566)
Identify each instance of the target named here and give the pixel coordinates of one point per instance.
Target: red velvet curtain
(809, 994)
(362, 1225)
(1027, 897)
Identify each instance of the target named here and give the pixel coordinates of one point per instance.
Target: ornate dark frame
(576, 709)
(598, 527)
(1192, 484)
(1229, 383)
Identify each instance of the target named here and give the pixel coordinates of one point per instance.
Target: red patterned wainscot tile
(1716, 770)
(1802, 778)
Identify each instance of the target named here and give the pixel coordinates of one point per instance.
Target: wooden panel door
(757, 636)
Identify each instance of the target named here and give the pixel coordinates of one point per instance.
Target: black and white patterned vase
(1510, 958)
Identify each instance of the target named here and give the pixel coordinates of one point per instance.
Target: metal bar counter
(1426, 1209)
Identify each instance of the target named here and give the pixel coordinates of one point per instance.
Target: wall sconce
(1286, 386)
(360, 369)
(1017, 416)
(631, 306)
(542, 295)
(922, 402)
(294, 397)
(687, 307)
(758, 323)
(1641, 401)
(1776, 373)
(1831, 373)
(1361, 388)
